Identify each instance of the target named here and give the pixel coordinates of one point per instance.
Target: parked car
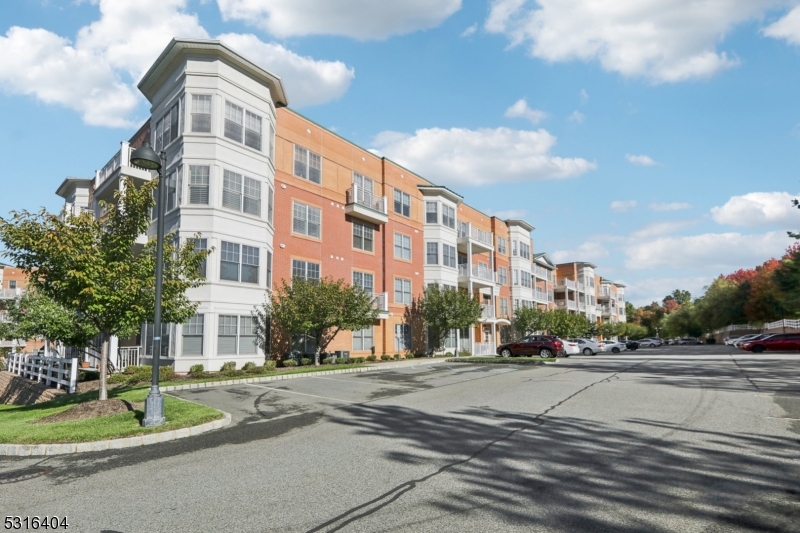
(612, 346)
(745, 338)
(770, 343)
(688, 341)
(632, 345)
(650, 342)
(570, 347)
(541, 345)
(730, 341)
(587, 346)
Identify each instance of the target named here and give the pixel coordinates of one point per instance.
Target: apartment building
(581, 290)
(13, 283)
(277, 197)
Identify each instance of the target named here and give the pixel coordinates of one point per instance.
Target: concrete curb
(265, 379)
(25, 450)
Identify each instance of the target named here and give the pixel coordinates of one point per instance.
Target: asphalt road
(689, 439)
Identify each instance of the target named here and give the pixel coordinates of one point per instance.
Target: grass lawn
(504, 360)
(17, 427)
(278, 372)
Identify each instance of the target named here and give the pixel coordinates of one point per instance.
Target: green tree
(683, 322)
(36, 316)
(94, 268)
(442, 310)
(630, 311)
(317, 308)
(787, 280)
(528, 320)
(565, 325)
(682, 297)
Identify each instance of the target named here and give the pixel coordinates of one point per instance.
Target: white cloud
(96, 75)
(673, 206)
(620, 206)
(653, 289)
(360, 19)
(641, 160)
(470, 31)
(508, 214)
(520, 109)
(787, 28)
(722, 251)
(655, 229)
(584, 96)
(588, 251)
(460, 156)
(576, 116)
(308, 81)
(661, 40)
(758, 209)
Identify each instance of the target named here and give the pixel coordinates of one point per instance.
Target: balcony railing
(581, 287)
(484, 348)
(72, 210)
(8, 294)
(487, 311)
(550, 296)
(581, 306)
(128, 356)
(568, 283)
(477, 271)
(567, 304)
(540, 296)
(357, 195)
(121, 159)
(541, 272)
(466, 229)
(381, 302)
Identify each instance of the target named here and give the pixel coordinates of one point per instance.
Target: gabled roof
(544, 259)
(521, 223)
(68, 182)
(441, 191)
(177, 49)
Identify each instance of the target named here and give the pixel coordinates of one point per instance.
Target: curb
(113, 444)
(265, 379)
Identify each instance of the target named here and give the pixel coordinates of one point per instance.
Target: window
(305, 270)
(271, 134)
(12, 284)
(402, 203)
(365, 281)
(402, 246)
(201, 113)
(269, 269)
(227, 333)
(165, 339)
(248, 340)
(402, 291)
(431, 213)
(449, 216)
(234, 122)
(402, 337)
(363, 183)
(199, 246)
(239, 262)
(449, 255)
(193, 336)
(252, 131)
(166, 129)
(514, 247)
(516, 304)
(171, 191)
(363, 339)
(307, 164)
(270, 203)
(306, 220)
(363, 236)
(432, 253)
(251, 203)
(504, 306)
(526, 279)
(198, 184)
(502, 275)
(524, 250)
(501, 245)
(232, 190)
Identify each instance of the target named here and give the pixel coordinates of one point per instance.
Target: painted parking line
(300, 393)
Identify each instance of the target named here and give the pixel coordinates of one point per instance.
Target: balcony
(72, 210)
(567, 304)
(540, 296)
(10, 294)
(381, 303)
(481, 241)
(366, 206)
(541, 272)
(566, 284)
(477, 274)
(581, 307)
(581, 287)
(607, 311)
(106, 180)
(487, 312)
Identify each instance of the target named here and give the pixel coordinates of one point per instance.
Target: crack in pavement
(379, 503)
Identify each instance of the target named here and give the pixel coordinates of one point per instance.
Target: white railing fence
(52, 371)
(484, 348)
(381, 302)
(358, 195)
(487, 311)
(785, 323)
(127, 356)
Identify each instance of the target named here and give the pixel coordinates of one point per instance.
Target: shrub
(2, 364)
(341, 361)
(142, 374)
(410, 356)
(448, 354)
(386, 357)
(269, 366)
(358, 360)
(196, 369)
(248, 366)
(305, 361)
(327, 361)
(372, 358)
(290, 362)
(397, 357)
(228, 367)
(464, 353)
(417, 355)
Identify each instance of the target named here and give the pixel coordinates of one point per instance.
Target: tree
(670, 305)
(317, 308)
(565, 325)
(608, 329)
(528, 320)
(34, 315)
(787, 280)
(682, 297)
(683, 322)
(765, 301)
(650, 317)
(94, 269)
(442, 310)
(630, 311)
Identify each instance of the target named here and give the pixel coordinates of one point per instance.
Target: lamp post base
(154, 409)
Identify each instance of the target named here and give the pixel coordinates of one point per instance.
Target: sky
(657, 139)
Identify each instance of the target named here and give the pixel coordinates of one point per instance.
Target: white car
(612, 346)
(587, 346)
(570, 347)
(730, 341)
(650, 342)
(745, 338)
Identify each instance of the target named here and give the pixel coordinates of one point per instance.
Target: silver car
(587, 346)
(650, 342)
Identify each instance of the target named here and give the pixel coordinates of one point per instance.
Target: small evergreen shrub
(196, 369)
(327, 361)
(386, 357)
(358, 360)
(142, 374)
(448, 354)
(248, 366)
(397, 357)
(228, 367)
(269, 366)
(305, 361)
(410, 356)
(290, 362)
(464, 353)
(372, 358)
(417, 355)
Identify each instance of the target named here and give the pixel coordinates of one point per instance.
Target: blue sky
(655, 138)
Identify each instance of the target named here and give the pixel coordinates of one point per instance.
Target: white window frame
(305, 163)
(198, 110)
(363, 236)
(306, 220)
(402, 203)
(404, 291)
(300, 269)
(401, 247)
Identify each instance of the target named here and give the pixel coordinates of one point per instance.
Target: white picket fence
(785, 323)
(52, 371)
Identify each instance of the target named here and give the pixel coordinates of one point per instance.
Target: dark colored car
(781, 342)
(632, 345)
(541, 345)
(688, 341)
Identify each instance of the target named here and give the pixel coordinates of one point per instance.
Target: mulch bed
(91, 409)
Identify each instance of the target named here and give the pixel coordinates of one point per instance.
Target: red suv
(541, 345)
(782, 342)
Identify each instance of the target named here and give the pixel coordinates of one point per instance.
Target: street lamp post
(145, 157)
